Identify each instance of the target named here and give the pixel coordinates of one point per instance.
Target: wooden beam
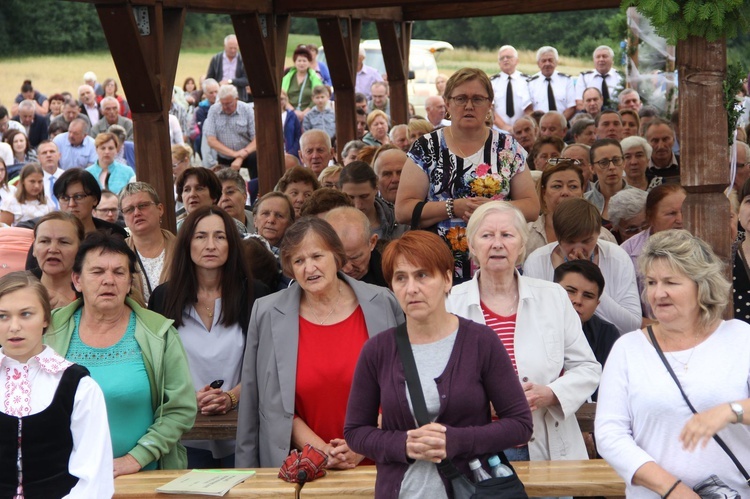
(262, 39)
(704, 155)
(395, 39)
(382, 14)
(442, 9)
(340, 36)
(146, 65)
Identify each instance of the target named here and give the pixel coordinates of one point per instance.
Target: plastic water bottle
(479, 474)
(498, 469)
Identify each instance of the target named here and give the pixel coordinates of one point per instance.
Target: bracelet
(449, 208)
(233, 399)
(671, 489)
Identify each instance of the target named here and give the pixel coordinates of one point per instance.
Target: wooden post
(340, 37)
(704, 155)
(146, 60)
(262, 39)
(395, 38)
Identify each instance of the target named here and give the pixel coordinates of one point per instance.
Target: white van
(423, 69)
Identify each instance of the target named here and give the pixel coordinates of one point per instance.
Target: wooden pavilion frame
(146, 53)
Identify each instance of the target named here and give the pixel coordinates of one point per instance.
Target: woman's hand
(427, 443)
(341, 457)
(464, 207)
(125, 465)
(701, 428)
(539, 396)
(213, 401)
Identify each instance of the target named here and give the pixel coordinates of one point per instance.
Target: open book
(206, 482)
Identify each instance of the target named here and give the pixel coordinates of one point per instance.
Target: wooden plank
(395, 39)
(442, 9)
(219, 427)
(382, 14)
(262, 39)
(340, 36)
(264, 485)
(585, 416)
(541, 478)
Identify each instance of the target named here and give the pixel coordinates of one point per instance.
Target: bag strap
(416, 216)
(687, 400)
(446, 467)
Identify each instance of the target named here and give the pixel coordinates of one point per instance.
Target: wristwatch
(737, 410)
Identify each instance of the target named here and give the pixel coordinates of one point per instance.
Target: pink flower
(483, 169)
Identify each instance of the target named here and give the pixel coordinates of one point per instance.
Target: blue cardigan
(119, 175)
(292, 133)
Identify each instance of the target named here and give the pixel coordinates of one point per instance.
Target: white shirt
(640, 412)
(521, 99)
(26, 211)
(47, 190)
(6, 153)
(591, 79)
(91, 460)
(562, 86)
(14, 125)
(620, 303)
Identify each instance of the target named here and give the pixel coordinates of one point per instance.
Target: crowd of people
(524, 239)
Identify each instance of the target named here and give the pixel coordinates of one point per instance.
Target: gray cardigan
(269, 372)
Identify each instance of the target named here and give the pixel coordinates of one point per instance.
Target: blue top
(119, 176)
(79, 156)
(120, 372)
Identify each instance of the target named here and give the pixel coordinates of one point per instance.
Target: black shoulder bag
(500, 488)
(713, 484)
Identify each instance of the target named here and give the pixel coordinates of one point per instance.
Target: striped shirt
(505, 328)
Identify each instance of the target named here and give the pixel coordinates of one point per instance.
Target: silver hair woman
(644, 427)
(627, 212)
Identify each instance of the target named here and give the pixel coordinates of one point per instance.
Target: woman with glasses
(560, 180)
(152, 245)
(450, 172)
(607, 160)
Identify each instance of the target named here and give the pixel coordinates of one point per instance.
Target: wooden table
(541, 478)
(264, 485)
(221, 427)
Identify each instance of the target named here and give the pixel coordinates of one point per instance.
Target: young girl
(53, 420)
(29, 201)
(6, 191)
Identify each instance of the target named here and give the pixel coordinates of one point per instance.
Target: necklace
(515, 304)
(686, 364)
(455, 142)
(321, 322)
(210, 311)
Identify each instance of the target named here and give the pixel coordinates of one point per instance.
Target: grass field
(52, 74)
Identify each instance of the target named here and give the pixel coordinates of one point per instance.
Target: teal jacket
(119, 175)
(172, 391)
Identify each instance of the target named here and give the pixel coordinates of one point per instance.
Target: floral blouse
(485, 173)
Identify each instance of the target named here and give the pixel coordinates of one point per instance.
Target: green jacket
(313, 80)
(172, 391)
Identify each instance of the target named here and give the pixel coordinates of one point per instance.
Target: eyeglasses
(635, 229)
(558, 161)
(175, 165)
(139, 206)
(75, 197)
(476, 100)
(108, 211)
(604, 163)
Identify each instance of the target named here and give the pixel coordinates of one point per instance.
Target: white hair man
(434, 107)
(89, 106)
(603, 77)
(111, 110)
(399, 136)
(388, 166)
(512, 98)
(315, 150)
(549, 89)
(34, 125)
(89, 78)
(366, 75)
(227, 68)
(553, 124)
(629, 99)
(362, 258)
(230, 130)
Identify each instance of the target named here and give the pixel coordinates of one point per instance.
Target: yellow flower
(457, 238)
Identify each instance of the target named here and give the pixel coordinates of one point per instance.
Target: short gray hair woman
(636, 151)
(644, 427)
(539, 327)
(627, 212)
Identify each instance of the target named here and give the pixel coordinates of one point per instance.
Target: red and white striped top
(504, 327)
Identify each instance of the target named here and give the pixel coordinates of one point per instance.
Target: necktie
(605, 90)
(52, 191)
(551, 96)
(509, 109)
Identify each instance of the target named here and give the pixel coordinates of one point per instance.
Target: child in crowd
(321, 116)
(29, 200)
(584, 283)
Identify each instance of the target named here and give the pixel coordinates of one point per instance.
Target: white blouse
(26, 211)
(29, 388)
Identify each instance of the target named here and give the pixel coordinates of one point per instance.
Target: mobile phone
(217, 383)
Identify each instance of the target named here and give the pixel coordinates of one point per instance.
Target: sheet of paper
(206, 482)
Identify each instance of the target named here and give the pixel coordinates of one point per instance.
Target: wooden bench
(541, 478)
(264, 485)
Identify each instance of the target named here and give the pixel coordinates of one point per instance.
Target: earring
(447, 115)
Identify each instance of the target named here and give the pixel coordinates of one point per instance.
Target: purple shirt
(479, 371)
(365, 78)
